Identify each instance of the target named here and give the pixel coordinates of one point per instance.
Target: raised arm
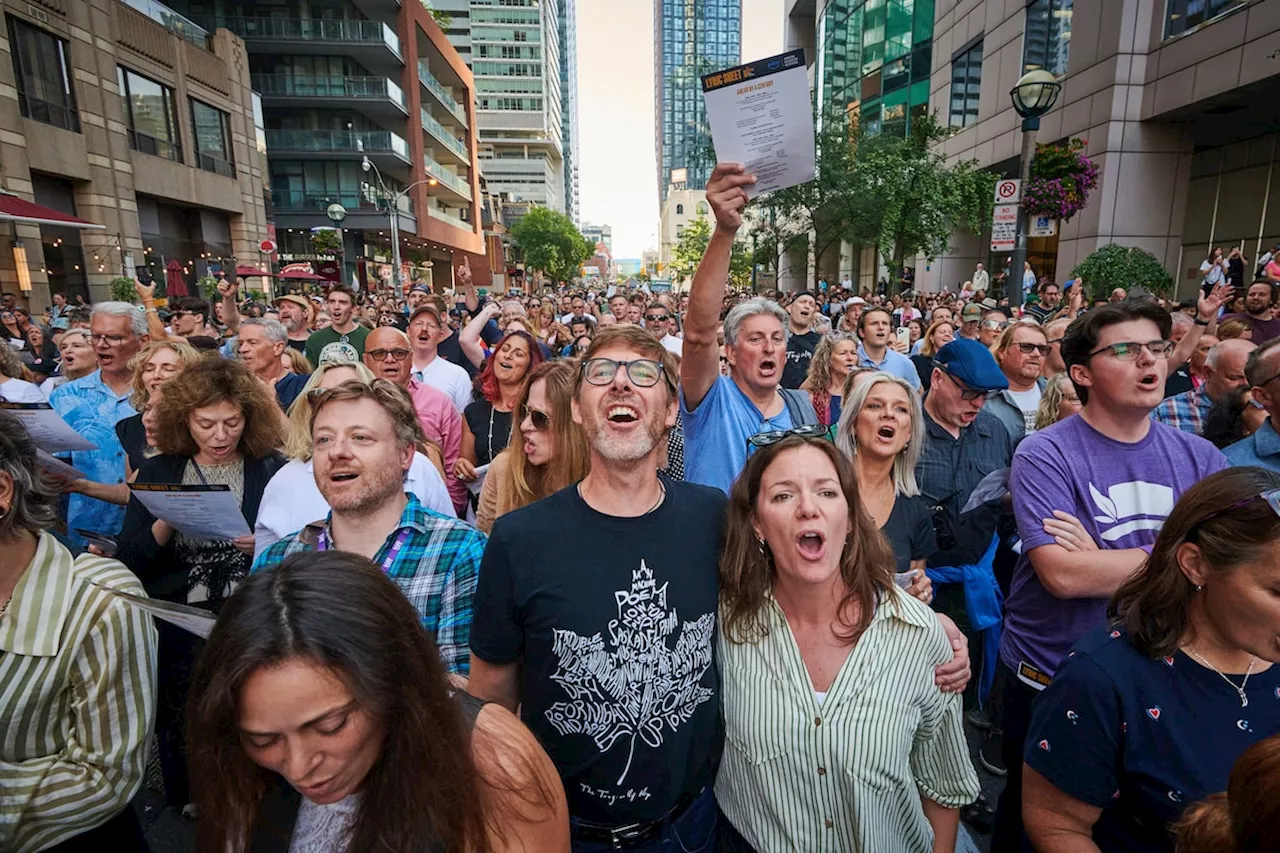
(230, 311)
(1207, 307)
(463, 275)
(469, 337)
(700, 365)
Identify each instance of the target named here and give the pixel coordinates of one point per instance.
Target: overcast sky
(618, 177)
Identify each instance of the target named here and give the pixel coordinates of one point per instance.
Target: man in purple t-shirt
(1090, 494)
(1259, 305)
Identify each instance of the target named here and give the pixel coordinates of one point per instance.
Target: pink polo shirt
(442, 423)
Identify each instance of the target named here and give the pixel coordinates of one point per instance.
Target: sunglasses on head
(764, 439)
(1271, 496)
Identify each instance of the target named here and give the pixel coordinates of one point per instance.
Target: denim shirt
(93, 410)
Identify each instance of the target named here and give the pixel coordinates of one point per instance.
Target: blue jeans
(692, 832)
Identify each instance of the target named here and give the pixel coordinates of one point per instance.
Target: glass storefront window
(211, 128)
(152, 119)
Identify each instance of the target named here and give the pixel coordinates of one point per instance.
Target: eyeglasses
(966, 393)
(109, 340)
(1053, 341)
(1028, 349)
(994, 325)
(1272, 497)
(1264, 382)
(643, 372)
(381, 354)
(1130, 350)
(764, 439)
(656, 318)
(541, 420)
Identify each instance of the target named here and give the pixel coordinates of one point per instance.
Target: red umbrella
(246, 271)
(175, 285)
(300, 275)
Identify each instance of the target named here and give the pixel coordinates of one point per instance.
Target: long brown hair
(211, 381)
(572, 459)
(338, 611)
(1154, 604)
(1244, 819)
(746, 570)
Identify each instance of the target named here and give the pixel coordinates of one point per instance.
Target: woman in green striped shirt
(836, 736)
(77, 677)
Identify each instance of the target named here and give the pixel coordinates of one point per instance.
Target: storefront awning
(17, 209)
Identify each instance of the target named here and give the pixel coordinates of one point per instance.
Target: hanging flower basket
(326, 241)
(1061, 179)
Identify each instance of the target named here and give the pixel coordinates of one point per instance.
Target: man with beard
(364, 440)
(875, 328)
(1020, 352)
(426, 329)
(802, 339)
(343, 329)
(635, 588)
(295, 314)
(721, 413)
(1259, 312)
(386, 353)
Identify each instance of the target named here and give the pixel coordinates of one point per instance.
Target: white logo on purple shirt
(1130, 507)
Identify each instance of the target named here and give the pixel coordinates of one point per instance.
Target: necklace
(662, 495)
(1238, 688)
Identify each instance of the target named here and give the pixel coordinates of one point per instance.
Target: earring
(1199, 587)
(760, 547)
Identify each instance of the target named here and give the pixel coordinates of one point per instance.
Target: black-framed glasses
(773, 436)
(541, 420)
(1130, 350)
(1273, 377)
(381, 354)
(643, 372)
(1271, 496)
(109, 340)
(966, 393)
(1028, 349)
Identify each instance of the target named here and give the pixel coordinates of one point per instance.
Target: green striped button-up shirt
(846, 774)
(77, 698)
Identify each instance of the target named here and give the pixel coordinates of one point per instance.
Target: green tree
(551, 244)
(692, 245)
(920, 201)
(1115, 266)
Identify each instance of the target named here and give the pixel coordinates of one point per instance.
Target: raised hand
(464, 272)
(727, 195)
(1208, 304)
(146, 292)
(227, 288)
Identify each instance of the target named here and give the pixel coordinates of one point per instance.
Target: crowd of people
(589, 567)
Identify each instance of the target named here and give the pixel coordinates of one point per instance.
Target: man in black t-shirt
(801, 339)
(604, 637)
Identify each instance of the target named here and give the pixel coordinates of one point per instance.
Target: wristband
(1200, 322)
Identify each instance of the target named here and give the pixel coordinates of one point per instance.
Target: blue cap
(973, 364)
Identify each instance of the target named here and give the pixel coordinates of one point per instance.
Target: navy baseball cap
(973, 364)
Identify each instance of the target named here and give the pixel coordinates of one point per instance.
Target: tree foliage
(692, 245)
(551, 244)
(1115, 266)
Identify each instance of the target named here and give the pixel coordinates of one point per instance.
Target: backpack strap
(799, 406)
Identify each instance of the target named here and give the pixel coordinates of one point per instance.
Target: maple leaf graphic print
(635, 684)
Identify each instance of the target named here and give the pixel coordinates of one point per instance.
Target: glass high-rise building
(874, 58)
(691, 38)
(569, 104)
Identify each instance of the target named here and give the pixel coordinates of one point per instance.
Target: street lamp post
(393, 213)
(1033, 96)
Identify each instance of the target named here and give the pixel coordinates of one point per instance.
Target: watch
(1200, 322)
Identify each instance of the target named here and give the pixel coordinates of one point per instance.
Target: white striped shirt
(77, 698)
(847, 774)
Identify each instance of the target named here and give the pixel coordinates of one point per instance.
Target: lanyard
(323, 544)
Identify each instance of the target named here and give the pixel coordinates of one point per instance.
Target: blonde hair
(189, 355)
(927, 347)
(297, 440)
(297, 362)
(1051, 400)
(904, 464)
(819, 378)
(571, 461)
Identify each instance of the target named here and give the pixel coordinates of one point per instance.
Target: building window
(679, 209)
(150, 113)
(42, 70)
(1046, 43)
(1183, 15)
(966, 84)
(211, 129)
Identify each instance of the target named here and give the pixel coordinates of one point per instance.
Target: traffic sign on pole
(1008, 191)
(1004, 227)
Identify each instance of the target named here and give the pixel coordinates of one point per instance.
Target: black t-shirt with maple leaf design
(613, 621)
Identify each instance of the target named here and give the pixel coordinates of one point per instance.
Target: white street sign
(1042, 226)
(1004, 227)
(1008, 191)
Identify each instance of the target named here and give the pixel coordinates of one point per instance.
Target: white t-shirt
(21, 391)
(446, 376)
(673, 345)
(292, 500)
(1029, 402)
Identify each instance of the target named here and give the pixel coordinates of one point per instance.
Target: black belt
(622, 837)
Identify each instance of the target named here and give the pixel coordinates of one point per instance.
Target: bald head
(1224, 367)
(388, 354)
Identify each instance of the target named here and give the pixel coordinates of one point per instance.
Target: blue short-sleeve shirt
(716, 433)
(1143, 739)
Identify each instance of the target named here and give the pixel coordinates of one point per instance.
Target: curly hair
(819, 378)
(1055, 390)
(209, 382)
(189, 355)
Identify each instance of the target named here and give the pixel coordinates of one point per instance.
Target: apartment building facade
(133, 131)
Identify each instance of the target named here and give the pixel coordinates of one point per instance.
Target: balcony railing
(435, 170)
(311, 29)
(437, 213)
(301, 201)
(154, 146)
(327, 86)
(217, 165)
(177, 24)
(437, 88)
(338, 141)
(48, 112)
(439, 131)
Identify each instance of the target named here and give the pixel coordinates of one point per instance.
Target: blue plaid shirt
(1185, 411)
(93, 410)
(436, 568)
